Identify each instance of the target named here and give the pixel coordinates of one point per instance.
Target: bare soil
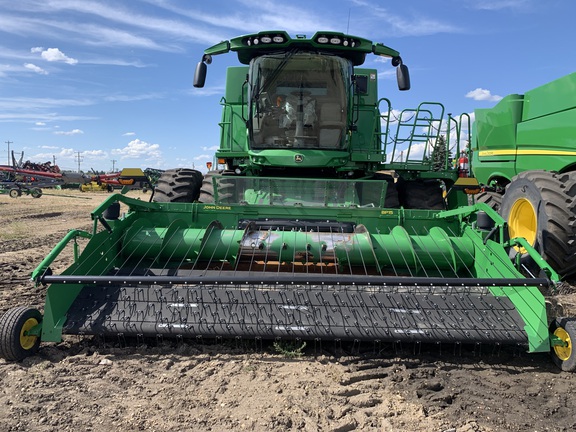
(87, 384)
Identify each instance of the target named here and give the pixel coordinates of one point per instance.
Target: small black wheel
(564, 355)
(15, 342)
(36, 192)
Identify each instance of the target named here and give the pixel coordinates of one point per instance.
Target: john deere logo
(298, 158)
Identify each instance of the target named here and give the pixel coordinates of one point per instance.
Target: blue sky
(112, 80)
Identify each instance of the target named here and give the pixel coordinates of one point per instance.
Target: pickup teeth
(348, 312)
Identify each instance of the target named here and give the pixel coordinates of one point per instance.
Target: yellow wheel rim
(563, 352)
(28, 341)
(523, 222)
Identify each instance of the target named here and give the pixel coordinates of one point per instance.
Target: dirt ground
(84, 384)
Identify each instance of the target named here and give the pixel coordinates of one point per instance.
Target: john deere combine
(320, 224)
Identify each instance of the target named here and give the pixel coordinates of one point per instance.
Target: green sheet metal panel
(556, 96)
(494, 139)
(547, 142)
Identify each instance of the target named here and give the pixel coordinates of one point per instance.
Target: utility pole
(79, 159)
(113, 162)
(9, 142)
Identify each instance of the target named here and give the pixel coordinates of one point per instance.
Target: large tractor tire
(391, 199)
(540, 207)
(493, 199)
(15, 342)
(225, 188)
(421, 194)
(178, 185)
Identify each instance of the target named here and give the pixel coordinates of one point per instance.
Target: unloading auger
(304, 231)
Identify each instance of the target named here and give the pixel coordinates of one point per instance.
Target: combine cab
(320, 224)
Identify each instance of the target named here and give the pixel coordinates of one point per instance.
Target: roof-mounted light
(335, 41)
(322, 40)
(264, 39)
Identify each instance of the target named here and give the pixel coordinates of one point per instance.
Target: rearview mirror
(200, 75)
(403, 77)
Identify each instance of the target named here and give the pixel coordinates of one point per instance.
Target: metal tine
(459, 239)
(98, 258)
(350, 270)
(123, 265)
(388, 254)
(516, 289)
(399, 249)
(267, 252)
(481, 250)
(206, 235)
(422, 266)
(361, 254)
(454, 273)
(174, 250)
(335, 258)
(320, 258)
(377, 264)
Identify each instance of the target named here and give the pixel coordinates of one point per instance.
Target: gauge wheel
(15, 342)
(15, 193)
(564, 355)
(36, 192)
(538, 206)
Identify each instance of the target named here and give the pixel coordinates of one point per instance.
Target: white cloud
(35, 68)
(129, 134)
(55, 55)
(499, 4)
(481, 94)
(212, 148)
(138, 149)
(40, 123)
(72, 132)
(94, 154)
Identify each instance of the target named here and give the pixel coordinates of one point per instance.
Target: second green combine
(318, 224)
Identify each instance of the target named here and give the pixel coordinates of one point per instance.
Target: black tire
(225, 187)
(371, 194)
(422, 194)
(178, 185)
(550, 224)
(36, 192)
(14, 193)
(564, 356)
(14, 345)
(492, 199)
(207, 189)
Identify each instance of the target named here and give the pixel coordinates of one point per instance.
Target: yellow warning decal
(216, 207)
(526, 152)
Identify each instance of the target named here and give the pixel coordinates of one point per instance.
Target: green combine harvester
(319, 223)
(523, 151)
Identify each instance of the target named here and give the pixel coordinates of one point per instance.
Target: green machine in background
(327, 218)
(524, 151)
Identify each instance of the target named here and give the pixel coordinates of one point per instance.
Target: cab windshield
(299, 100)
